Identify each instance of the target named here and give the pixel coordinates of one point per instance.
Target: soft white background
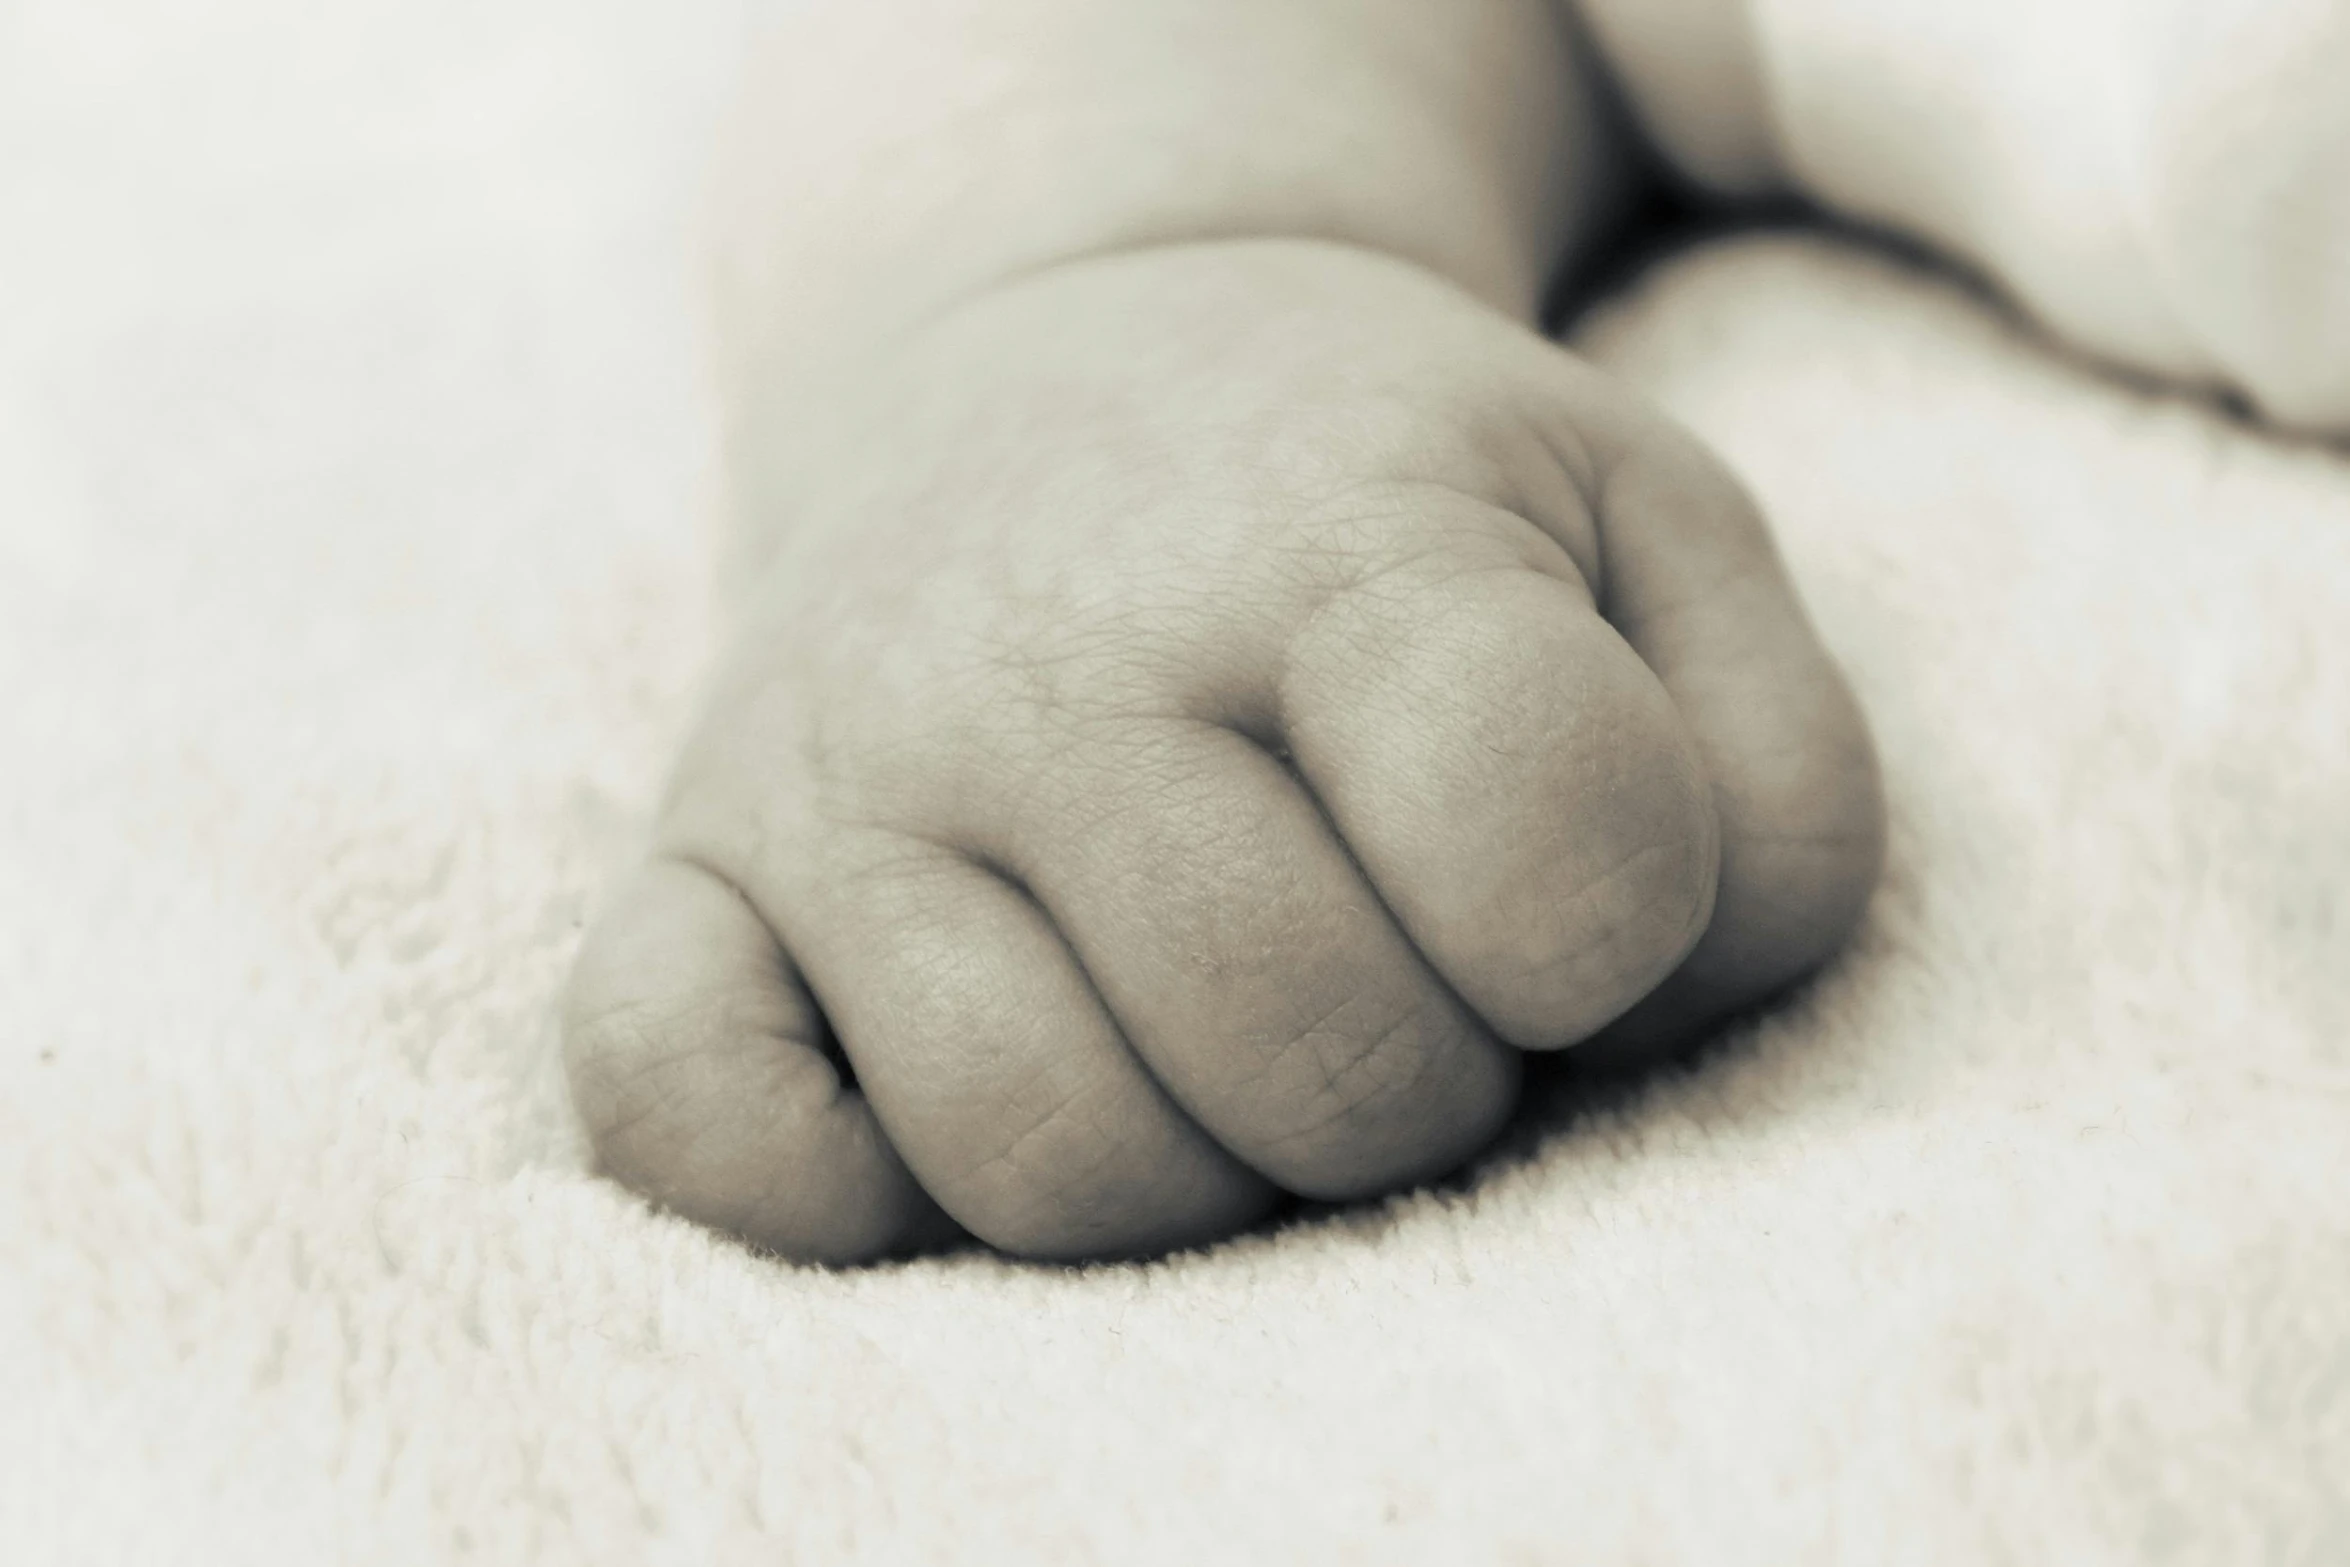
(356, 530)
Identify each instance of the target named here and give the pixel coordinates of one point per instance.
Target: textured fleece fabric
(355, 577)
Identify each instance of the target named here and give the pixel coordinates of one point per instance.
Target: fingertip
(1787, 906)
(1626, 888)
(698, 1066)
(1613, 937)
(1523, 792)
(1695, 583)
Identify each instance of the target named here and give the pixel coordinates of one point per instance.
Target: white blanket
(354, 575)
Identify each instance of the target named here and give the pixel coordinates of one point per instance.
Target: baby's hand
(1236, 700)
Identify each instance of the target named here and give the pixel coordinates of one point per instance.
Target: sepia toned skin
(1213, 684)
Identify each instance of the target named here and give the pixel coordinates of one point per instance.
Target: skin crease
(1691, 67)
(1213, 685)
